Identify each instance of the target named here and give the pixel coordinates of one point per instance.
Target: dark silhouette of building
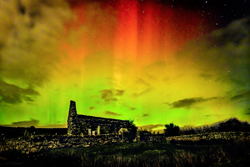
(78, 124)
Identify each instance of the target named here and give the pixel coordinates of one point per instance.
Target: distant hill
(233, 124)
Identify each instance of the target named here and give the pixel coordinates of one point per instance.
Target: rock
(33, 149)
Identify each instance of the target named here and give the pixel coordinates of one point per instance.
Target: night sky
(151, 61)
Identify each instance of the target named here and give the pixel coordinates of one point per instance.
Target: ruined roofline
(82, 116)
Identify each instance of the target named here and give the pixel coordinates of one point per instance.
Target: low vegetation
(186, 152)
(233, 153)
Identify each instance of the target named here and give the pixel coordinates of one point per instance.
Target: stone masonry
(37, 143)
(75, 121)
(72, 119)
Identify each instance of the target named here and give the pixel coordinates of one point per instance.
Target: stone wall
(98, 121)
(72, 119)
(210, 136)
(37, 143)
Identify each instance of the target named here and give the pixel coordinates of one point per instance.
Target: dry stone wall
(210, 136)
(37, 143)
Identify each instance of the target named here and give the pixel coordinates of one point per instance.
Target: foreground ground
(217, 153)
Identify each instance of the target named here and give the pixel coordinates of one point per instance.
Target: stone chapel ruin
(84, 124)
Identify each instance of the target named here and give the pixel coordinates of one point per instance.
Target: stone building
(78, 123)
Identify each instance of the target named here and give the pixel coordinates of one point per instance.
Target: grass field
(231, 153)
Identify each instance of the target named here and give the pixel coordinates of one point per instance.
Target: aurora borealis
(153, 61)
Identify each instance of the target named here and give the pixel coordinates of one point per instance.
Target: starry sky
(151, 61)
